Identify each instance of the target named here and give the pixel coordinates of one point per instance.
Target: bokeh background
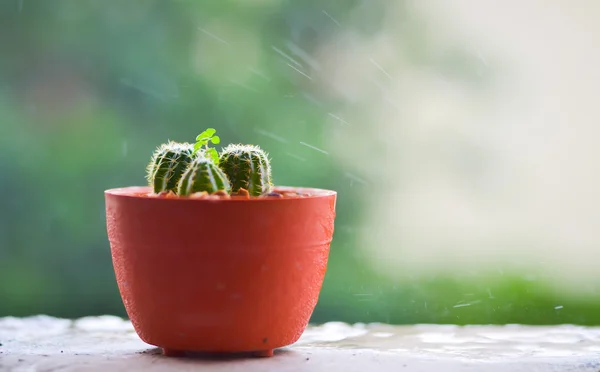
(460, 135)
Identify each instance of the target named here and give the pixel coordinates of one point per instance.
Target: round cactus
(247, 167)
(203, 175)
(168, 163)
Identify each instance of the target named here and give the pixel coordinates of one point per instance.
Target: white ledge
(109, 343)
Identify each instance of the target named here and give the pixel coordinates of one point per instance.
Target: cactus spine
(248, 167)
(203, 175)
(168, 163)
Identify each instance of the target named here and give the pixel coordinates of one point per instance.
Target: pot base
(264, 353)
(173, 352)
(180, 353)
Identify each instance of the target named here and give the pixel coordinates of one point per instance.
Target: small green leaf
(215, 140)
(202, 135)
(210, 131)
(213, 155)
(197, 146)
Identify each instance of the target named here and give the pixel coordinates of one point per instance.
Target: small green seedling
(202, 142)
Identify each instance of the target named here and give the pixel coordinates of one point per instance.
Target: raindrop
(339, 119)
(354, 177)
(214, 36)
(243, 86)
(256, 72)
(285, 55)
(333, 19)
(302, 73)
(270, 135)
(295, 156)
(379, 67)
(312, 99)
(304, 55)
(461, 305)
(314, 148)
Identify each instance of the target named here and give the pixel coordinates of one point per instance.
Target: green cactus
(168, 163)
(248, 167)
(203, 175)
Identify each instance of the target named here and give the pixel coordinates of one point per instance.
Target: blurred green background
(89, 88)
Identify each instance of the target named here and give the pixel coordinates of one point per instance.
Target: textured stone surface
(109, 344)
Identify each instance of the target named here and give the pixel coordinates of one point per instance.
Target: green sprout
(203, 140)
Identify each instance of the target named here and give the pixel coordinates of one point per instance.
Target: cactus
(168, 163)
(203, 175)
(247, 167)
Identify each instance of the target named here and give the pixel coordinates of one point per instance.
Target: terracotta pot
(230, 275)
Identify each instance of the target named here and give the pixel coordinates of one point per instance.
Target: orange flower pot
(229, 275)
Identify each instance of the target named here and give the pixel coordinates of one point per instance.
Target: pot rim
(141, 192)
